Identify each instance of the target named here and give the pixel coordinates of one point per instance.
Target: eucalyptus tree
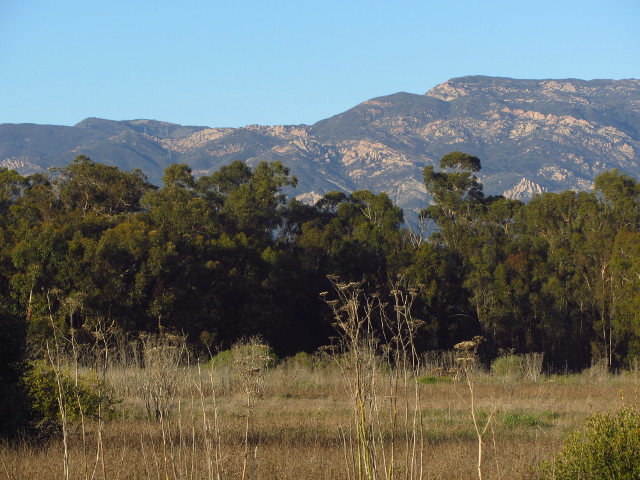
(94, 187)
(457, 197)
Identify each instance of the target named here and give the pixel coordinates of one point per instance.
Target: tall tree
(457, 197)
(93, 187)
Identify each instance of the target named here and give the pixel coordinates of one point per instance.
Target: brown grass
(300, 428)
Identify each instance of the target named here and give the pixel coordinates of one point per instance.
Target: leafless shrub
(439, 362)
(251, 360)
(376, 337)
(162, 356)
(599, 371)
(532, 365)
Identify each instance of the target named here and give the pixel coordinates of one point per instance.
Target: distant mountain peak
(531, 136)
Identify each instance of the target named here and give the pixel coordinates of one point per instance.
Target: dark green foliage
(458, 198)
(226, 256)
(546, 276)
(14, 414)
(12, 185)
(460, 160)
(92, 187)
(607, 448)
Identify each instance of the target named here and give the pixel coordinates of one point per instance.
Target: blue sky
(233, 63)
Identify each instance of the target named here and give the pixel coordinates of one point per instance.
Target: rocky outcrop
(524, 190)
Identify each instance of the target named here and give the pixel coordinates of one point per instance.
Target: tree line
(226, 256)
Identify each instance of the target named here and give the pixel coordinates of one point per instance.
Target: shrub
(508, 366)
(608, 447)
(222, 359)
(88, 398)
(302, 360)
(245, 365)
(256, 352)
(246, 349)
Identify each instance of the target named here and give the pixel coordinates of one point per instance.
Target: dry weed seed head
(251, 360)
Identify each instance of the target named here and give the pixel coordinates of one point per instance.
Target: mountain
(531, 136)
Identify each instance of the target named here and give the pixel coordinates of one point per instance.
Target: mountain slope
(531, 135)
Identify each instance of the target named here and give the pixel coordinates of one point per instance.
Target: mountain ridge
(531, 136)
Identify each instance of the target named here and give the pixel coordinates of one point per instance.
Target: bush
(263, 354)
(222, 359)
(254, 353)
(88, 398)
(607, 448)
(508, 366)
(245, 365)
(302, 360)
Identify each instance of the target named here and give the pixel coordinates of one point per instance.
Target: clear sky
(239, 62)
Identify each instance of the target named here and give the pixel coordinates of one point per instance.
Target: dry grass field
(296, 421)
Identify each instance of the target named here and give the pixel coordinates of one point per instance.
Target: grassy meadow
(242, 416)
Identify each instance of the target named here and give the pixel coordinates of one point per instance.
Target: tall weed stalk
(373, 346)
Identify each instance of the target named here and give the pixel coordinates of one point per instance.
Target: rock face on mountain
(524, 190)
(531, 136)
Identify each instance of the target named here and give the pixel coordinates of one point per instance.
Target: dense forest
(226, 256)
